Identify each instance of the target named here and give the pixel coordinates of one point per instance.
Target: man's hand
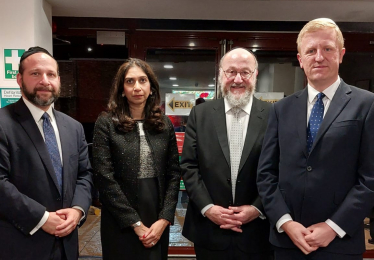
(153, 235)
(215, 215)
(321, 235)
(72, 216)
(297, 233)
(243, 214)
(52, 222)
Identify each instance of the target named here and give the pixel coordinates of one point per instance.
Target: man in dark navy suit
(45, 174)
(316, 170)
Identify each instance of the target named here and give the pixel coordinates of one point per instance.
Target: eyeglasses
(231, 74)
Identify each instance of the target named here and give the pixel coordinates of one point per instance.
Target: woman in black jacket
(136, 167)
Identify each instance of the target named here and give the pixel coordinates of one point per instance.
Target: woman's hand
(153, 235)
(141, 230)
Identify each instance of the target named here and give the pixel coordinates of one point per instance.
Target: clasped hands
(62, 222)
(150, 236)
(233, 217)
(311, 238)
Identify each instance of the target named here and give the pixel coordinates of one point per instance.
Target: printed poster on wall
(9, 96)
(179, 104)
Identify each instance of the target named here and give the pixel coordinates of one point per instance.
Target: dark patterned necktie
(51, 143)
(315, 120)
(236, 144)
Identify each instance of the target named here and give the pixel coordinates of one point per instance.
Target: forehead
(135, 71)
(39, 61)
(320, 37)
(238, 58)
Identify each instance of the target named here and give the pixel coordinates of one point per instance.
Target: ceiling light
(211, 85)
(89, 49)
(173, 78)
(175, 85)
(192, 44)
(168, 66)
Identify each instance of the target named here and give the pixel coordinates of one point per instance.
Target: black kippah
(32, 51)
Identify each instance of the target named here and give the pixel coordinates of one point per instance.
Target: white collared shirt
(243, 117)
(37, 114)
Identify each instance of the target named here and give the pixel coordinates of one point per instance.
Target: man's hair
(321, 24)
(31, 51)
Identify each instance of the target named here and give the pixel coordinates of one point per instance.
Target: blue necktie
(315, 120)
(51, 143)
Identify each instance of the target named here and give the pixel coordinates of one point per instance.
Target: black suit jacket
(116, 159)
(335, 181)
(28, 185)
(206, 174)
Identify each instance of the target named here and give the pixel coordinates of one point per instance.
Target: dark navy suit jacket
(28, 185)
(335, 181)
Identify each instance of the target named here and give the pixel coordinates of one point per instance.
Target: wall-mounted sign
(179, 104)
(11, 62)
(270, 97)
(9, 96)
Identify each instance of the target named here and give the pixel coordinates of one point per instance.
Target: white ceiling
(241, 10)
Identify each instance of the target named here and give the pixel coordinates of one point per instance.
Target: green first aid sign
(11, 62)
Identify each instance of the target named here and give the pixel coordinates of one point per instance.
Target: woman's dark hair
(119, 108)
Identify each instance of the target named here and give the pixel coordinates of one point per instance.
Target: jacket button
(59, 198)
(238, 181)
(229, 180)
(230, 203)
(309, 168)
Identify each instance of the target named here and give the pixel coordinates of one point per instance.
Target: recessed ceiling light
(168, 66)
(89, 49)
(211, 85)
(175, 85)
(173, 78)
(192, 44)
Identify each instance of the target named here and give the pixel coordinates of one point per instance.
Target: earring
(150, 93)
(123, 94)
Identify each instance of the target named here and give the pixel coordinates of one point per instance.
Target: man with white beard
(222, 146)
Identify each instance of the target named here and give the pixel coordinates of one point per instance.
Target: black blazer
(28, 185)
(335, 181)
(116, 160)
(206, 174)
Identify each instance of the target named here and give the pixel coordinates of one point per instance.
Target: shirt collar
(36, 112)
(246, 108)
(329, 92)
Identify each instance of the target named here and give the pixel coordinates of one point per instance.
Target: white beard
(238, 100)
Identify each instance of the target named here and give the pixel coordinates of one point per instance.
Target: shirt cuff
(41, 223)
(83, 213)
(206, 208)
(262, 216)
(285, 218)
(341, 233)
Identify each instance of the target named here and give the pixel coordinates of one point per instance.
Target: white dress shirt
(312, 98)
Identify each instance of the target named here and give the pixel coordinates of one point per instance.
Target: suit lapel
(221, 128)
(254, 126)
(64, 139)
(26, 120)
(301, 106)
(337, 105)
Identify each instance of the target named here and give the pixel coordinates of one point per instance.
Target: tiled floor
(89, 235)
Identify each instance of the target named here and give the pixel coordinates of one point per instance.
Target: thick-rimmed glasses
(231, 74)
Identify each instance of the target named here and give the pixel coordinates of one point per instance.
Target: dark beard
(33, 97)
